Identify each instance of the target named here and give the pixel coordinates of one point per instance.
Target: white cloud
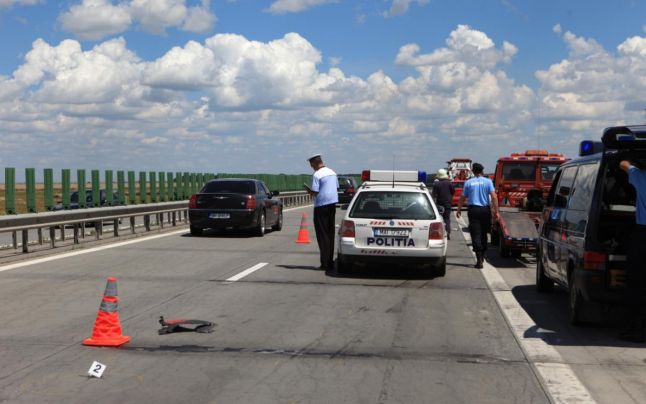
(557, 29)
(96, 19)
(204, 101)
(296, 6)
(9, 3)
(400, 7)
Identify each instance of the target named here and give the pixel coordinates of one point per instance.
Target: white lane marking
(558, 378)
(246, 272)
(87, 251)
(105, 247)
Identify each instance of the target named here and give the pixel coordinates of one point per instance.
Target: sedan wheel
(279, 222)
(543, 283)
(260, 229)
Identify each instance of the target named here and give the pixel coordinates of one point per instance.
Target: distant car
(74, 200)
(392, 222)
(235, 203)
(347, 188)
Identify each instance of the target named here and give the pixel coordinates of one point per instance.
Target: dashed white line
(247, 272)
(558, 378)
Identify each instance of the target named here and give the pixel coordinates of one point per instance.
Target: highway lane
(286, 332)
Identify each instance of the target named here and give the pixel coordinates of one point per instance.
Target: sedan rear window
(229, 187)
(392, 205)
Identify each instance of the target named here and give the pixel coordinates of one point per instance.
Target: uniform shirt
(477, 191)
(324, 182)
(637, 178)
(443, 192)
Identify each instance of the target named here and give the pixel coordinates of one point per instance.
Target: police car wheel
(439, 269)
(342, 266)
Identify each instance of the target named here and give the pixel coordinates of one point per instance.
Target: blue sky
(254, 86)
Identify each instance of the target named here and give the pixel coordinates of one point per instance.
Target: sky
(258, 86)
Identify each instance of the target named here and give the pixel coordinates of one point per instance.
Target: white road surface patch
(247, 272)
(558, 378)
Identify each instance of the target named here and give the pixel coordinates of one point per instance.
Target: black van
(587, 219)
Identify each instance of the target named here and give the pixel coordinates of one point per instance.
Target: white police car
(392, 219)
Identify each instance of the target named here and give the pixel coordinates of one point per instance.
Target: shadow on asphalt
(213, 233)
(549, 312)
(303, 267)
(386, 272)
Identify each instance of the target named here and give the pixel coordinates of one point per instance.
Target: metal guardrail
(175, 212)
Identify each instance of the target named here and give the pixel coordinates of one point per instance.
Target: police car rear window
(392, 205)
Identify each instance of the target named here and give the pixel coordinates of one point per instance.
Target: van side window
(564, 187)
(584, 187)
(552, 194)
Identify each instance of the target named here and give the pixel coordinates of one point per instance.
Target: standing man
(324, 189)
(636, 331)
(442, 192)
(483, 204)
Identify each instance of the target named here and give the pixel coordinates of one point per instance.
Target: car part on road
(177, 325)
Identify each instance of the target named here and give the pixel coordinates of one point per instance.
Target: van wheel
(576, 303)
(504, 252)
(543, 283)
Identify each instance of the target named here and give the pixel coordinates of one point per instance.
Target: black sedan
(347, 188)
(234, 203)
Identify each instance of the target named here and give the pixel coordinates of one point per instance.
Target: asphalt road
(287, 333)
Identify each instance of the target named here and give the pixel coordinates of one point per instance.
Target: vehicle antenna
(393, 170)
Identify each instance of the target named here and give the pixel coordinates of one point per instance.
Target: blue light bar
(588, 147)
(421, 176)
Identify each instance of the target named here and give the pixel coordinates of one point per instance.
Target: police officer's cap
(312, 157)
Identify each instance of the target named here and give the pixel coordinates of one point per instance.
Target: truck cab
(459, 170)
(522, 182)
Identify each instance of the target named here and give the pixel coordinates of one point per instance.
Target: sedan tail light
(436, 231)
(251, 202)
(192, 203)
(594, 260)
(347, 228)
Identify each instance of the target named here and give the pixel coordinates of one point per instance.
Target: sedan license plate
(219, 215)
(391, 232)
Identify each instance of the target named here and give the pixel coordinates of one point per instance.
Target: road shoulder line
(556, 376)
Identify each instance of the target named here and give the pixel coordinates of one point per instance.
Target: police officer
(324, 189)
(442, 192)
(636, 331)
(483, 204)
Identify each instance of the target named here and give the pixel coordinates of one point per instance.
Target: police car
(392, 219)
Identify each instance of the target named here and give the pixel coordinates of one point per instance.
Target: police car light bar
(390, 175)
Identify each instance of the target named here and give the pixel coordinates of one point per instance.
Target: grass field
(21, 197)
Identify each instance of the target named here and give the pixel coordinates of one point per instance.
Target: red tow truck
(459, 170)
(522, 182)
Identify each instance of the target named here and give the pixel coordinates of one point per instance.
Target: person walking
(443, 191)
(636, 328)
(324, 190)
(483, 205)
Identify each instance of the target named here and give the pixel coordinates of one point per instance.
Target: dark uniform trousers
(446, 215)
(479, 226)
(324, 227)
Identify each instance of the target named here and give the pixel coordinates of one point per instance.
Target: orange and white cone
(303, 232)
(107, 327)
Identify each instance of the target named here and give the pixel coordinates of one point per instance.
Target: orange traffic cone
(303, 232)
(107, 327)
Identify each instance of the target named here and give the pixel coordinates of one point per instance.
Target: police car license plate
(391, 232)
(219, 215)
